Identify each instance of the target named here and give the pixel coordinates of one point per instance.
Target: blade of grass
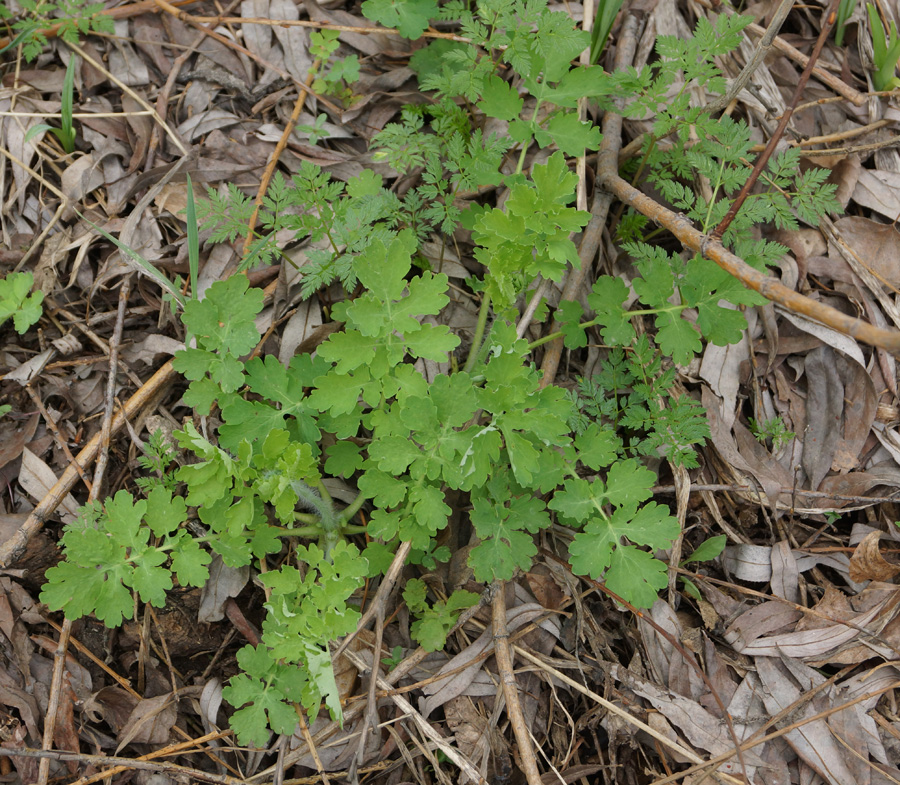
(606, 14)
(193, 238)
(139, 263)
(67, 130)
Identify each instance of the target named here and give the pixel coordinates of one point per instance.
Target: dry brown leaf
(813, 741)
(37, 478)
(224, 582)
(867, 563)
(149, 723)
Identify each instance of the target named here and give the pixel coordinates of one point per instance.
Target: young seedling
(18, 302)
(845, 11)
(886, 52)
(606, 15)
(66, 132)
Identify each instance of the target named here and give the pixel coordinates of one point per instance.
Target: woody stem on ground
(510, 688)
(593, 232)
(830, 15)
(712, 248)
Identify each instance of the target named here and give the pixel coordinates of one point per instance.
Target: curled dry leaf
(867, 563)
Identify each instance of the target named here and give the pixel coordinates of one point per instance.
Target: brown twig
(590, 240)
(276, 153)
(172, 769)
(510, 688)
(830, 15)
(423, 725)
(140, 100)
(700, 487)
(183, 747)
(829, 80)
(255, 20)
(106, 428)
(712, 249)
(59, 662)
(759, 54)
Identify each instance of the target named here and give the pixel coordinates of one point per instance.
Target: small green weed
(774, 431)
(607, 11)
(66, 131)
(845, 11)
(522, 457)
(340, 74)
(18, 302)
(75, 17)
(158, 455)
(886, 52)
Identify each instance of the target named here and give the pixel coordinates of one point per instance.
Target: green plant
(519, 456)
(844, 12)
(66, 132)
(435, 621)
(340, 74)
(18, 302)
(394, 660)
(607, 11)
(317, 130)
(706, 551)
(74, 17)
(886, 51)
(410, 17)
(773, 430)
(158, 455)
(632, 394)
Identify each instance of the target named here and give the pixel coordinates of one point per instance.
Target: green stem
(599, 320)
(351, 510)
(479, 333)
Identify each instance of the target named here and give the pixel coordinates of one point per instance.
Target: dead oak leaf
(867, 563)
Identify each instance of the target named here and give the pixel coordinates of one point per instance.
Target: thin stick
(106, 429)
(132, 94)
(510, 688)
(687, 656)
(593, 233)
(276, 153)
(59, 661)
(619, 712)
(424, 726)
(255, 20)
(127, 764)
(183, 747)
(759, 54)
(712, 249)
(120, 12)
